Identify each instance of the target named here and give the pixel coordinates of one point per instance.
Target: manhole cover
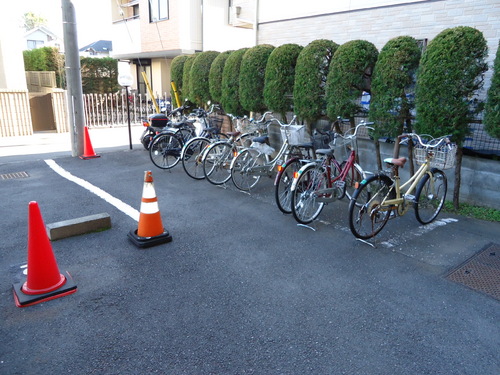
(14, 175)
(481, 272)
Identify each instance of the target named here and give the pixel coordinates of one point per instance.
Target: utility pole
(73, 79)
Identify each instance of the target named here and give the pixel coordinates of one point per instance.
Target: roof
(43, 29)
(99, 46)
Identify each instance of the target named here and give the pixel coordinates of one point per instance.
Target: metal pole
(128, 118)
(73, 78)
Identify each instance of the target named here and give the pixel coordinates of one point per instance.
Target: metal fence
(111, 109)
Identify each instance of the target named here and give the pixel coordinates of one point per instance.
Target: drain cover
(11, 176)
(481, 272)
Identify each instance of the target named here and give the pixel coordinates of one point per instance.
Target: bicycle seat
(261, 139)
(324, 151)
(233, 134)
(305, 145)
(399, 162)
(180, 124)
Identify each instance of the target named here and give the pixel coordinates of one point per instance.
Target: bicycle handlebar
(434, 142)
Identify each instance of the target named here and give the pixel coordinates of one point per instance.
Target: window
(158, 10)
(33, 44)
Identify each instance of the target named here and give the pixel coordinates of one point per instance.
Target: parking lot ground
(241, 289)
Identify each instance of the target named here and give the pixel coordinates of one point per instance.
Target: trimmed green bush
(198, 80)
(230, 98)
(393, 84)
(46, 59)
(99, 75)
(186, 76)
(176, 73)
(311, 72)
(492, 108)
(279, 78)
(215, 76)
(252, 73)
(451, 72)
(349, 75)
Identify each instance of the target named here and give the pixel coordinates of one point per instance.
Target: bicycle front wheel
(430, 196)
(191, 156)
(165, 151)
(243, 169)
(283, 186)
(217, 163)
(367, 214)
(306, 204)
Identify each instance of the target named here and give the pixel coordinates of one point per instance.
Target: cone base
(23, 300)
(143, 242)
(85, 157)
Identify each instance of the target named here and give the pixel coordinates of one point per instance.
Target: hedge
(492, 108)
(279, 78)
(310, 79)
(176, 74)
(230, 99)
(252, 74)
(198, 81)
(349, 75)
(215, 76)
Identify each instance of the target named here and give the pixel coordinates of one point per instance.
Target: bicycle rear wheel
(305, 203)
(217, 163)
(430, 196)
(191, 156)
(367, 216)
(165, 151)
(242, 166)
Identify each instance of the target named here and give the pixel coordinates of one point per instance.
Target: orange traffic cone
(150, 231)
(44, 282)
(88, 150)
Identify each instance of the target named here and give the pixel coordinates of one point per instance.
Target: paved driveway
(241, 289)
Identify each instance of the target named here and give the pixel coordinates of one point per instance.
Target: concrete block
(75, 227)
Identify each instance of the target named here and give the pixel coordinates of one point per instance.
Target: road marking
(423, 229)
(125, 208)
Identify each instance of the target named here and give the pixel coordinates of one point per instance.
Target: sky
(93, 17)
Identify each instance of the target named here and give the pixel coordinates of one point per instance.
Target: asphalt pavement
(241, 289)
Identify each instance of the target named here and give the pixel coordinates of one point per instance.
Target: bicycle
(325, 180)
(217, 158)
(253, 162)
(166, 146)
(286, 171)
(381, 196)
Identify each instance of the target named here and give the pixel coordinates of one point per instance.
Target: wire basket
(216, 121)
(244, 125)
(341, 146)
(442, 157)
(296, 134)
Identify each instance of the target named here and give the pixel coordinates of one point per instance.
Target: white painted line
(422, 229)
(125, 208)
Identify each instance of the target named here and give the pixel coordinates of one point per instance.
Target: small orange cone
(150, 231)
(44, 281)
(88, 150)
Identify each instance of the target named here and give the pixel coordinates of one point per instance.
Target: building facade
(150, 36)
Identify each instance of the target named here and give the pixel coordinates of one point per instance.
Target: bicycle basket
(442, 157)
(296, 134)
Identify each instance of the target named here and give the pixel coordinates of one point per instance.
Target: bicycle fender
(301, 170)
(283, 166)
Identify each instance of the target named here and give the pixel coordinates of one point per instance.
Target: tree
(451, 72)
(215, 76)
(492, 108)
(186, 75)
(45, 59)
(392, 88)
(310, 80)
(230, 98)
(279, 78)
(99, 75)
(198, 80)
(349, 75)
(252, 74)
(176, 73)
(31, 21)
